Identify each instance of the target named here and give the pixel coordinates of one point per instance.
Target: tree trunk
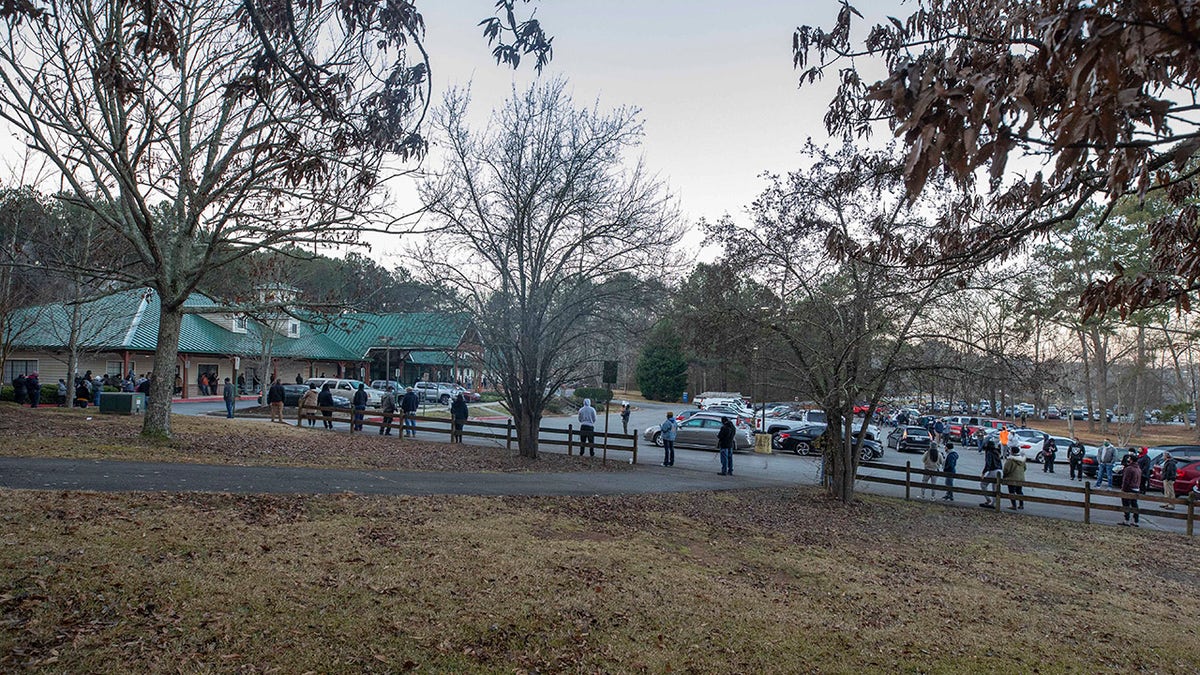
(841, 462)
(157, 422)
(1139, 384)
(527, 423)
(1100, 349)
(1087, 379)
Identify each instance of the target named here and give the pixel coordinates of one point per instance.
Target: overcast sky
(714, 81)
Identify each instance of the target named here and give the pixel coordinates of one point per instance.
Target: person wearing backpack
(932, 461)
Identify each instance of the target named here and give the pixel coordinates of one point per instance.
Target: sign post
(610, 378)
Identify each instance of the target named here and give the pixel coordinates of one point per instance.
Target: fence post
(570, 436)
(635, 437)
(1087, 502)
(996, 491)
(907, 479)
(352, 415)
(508, 435)
(1191, 512)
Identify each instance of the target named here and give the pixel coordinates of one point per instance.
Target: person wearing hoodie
(587, 427)
(1131, 482)
(458, 414)
(950, 465)
(1014, 471)
(1106, 455)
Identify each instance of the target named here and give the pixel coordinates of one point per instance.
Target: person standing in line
(458, 417)
(241, 383)
(202, 383)
(325, 401)
(980, 437)
(587, 427)
(228, 395)
(931, 461)
(177, 386)
(275, 401)
(625, 410)
(309, 404)
(1106, 455)
(950, 465)
(299, 379)
(1131, 482)
(387, 405)
(97, 389)
(408, 406)
(360, 406)
(1143, 462)
(82, 394)
(18, 383)
(1075, 453)
(992, 472)
(1005, 436)
(1049, 450)
(1170, 469)
(964, 434)
(1014, 471)
(33, 388)
(667, 433)
(725, 442)
(62, 393)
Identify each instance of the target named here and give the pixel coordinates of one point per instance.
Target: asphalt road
(693, 470)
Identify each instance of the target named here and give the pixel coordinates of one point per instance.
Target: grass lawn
(755, 581)
(85, 434)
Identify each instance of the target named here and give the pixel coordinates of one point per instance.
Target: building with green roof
(118, 334)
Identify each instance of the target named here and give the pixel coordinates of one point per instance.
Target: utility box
(122, 403)
(762, 443)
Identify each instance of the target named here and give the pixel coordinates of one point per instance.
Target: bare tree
(827, 237)
(201, 132)
(543, 231)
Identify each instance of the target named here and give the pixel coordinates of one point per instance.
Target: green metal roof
(424, 358)
(425, 331)
(129, 321)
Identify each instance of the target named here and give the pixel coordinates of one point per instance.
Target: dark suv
(909, 439)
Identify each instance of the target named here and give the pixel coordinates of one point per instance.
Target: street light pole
(387, 358)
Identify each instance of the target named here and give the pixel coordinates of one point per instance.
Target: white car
(346, 387)
(1031, 442)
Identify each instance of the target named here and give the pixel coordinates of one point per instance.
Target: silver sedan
(700, 431)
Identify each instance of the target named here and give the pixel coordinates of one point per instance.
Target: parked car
(909, 439)
(345, 387)
(1031, 442)
(468, 395)
(1080, 414)
(800, 440)
(700, 431)
(292, 393)
(381, 385)
(1187, 472)
(1052, 413)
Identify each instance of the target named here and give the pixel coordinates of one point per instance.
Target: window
(239, 324)
(113, 368)
(15, 367)
(293, 328)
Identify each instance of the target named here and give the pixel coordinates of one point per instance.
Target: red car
(1187, 472)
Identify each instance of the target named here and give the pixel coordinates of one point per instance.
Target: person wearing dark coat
(459, 414)
(325, 401)
(360, 405)
(1075, 453)
(409, 405)
(725, 443)
(1049, 450)
(33, 389)
(228, 396)
(1143, 462)
(950, 465)
(992, 472)
(275, 396)
(1131, 481)
(82, 394)
(19, 389)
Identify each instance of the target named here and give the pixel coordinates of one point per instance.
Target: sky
(714, 81)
